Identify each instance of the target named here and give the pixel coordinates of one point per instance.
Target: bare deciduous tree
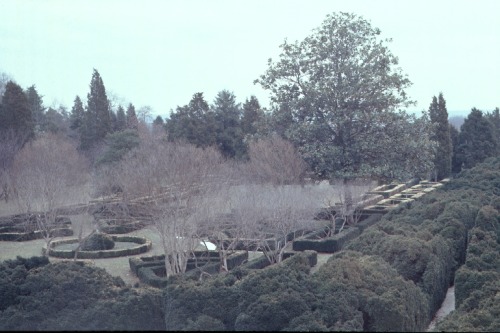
(272, 215)
(341, 201)
(47, 174)
(275, 160)
(175, 179)
(11, 142)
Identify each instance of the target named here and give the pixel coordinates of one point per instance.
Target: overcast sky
(159, 53)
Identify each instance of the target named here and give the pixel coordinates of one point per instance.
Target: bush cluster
(393, 277)
(96, 242)
(477, 282)
(38, 295)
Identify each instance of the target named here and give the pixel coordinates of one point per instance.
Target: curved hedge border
(144, 246)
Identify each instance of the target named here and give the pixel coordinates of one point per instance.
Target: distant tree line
(477, 139)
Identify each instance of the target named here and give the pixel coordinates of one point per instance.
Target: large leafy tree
(476, 140)
(439, 117)
(339, 92)
(229, 136)
(15, 113)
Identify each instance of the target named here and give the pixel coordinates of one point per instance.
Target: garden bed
(143, 245)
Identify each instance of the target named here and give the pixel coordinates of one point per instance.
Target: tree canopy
(476, 140)
(339, 91)
(15, 113)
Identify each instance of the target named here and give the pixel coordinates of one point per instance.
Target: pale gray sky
(159, 53)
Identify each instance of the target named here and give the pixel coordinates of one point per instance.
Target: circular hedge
(143, 246)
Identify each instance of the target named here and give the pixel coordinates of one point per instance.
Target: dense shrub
(96, 242)
(73, 296)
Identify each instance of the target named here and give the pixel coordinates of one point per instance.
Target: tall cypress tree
(36, 106)
(98, 117)
(455, 163)
(15, 113)
(439, 116)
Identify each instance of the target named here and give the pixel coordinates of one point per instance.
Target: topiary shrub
(96, 242)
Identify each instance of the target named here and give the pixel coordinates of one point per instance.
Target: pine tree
(494, 118)
(476, 140)
(77, 113)
(132, 121)
(439, 117)
(98, 117)
(36, 106)
(252, 115)
(158, 121)
(121, 119)
(15, 113)
(193, 123)
(114, 121)
(229, 136)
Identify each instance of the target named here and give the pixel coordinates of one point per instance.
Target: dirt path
(322, 259)
(447, 306)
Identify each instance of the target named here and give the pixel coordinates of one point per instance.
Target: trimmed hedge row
(151, 270)
(337, 241)
(144, 246)
(120, 226)
(32, 235)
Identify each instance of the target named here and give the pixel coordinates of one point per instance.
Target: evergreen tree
(455, 164)
(121, 119)
(54, 121)
(114, 121)
(476, 140)
(98, 121)
(77, 113)
(439, 117)
(132, 121)
(158, 121)
(15, 113)
(193, 123)
(229, 137)
(36, 106)
(494, 118)
(252, 116)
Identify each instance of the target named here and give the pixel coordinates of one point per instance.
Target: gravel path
(447, 306)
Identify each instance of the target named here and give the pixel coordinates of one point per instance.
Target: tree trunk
(348, 202)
